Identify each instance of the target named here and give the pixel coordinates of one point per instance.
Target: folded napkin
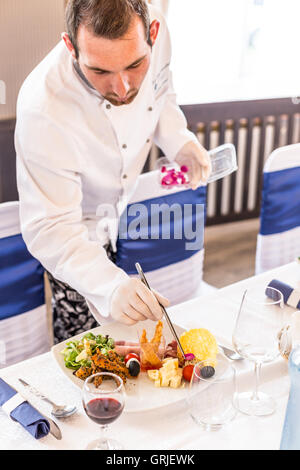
(290, 295)
(21, 411)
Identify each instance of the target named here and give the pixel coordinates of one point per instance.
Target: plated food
(141, 393)
(164, 366)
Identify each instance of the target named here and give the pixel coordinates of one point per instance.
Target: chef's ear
(153, 31)
(65, 37)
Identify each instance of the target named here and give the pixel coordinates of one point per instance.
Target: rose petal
(189, 357)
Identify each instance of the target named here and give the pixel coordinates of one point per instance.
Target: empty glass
(210, 400)
(255, 337)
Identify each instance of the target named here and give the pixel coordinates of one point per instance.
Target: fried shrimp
(149, 350)
(157, 335)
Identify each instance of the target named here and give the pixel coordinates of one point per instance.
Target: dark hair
(105, 18)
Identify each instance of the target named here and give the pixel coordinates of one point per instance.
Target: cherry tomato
(187, 372)
(131, 356)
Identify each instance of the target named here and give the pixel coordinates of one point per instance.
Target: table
(170, 428)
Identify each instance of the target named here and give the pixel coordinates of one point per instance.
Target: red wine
(103, 410)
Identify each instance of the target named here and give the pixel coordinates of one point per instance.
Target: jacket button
(148, 140)
(150, 108)
(124, 176)
(124, 146)
(108, 106)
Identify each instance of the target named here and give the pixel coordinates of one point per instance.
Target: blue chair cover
(280, 201)
(154, 253)
(21, 278)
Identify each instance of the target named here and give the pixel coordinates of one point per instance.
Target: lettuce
(75, 347)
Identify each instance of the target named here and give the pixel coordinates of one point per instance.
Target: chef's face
(116, 68)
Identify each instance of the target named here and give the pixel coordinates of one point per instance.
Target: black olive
(207, 371)
(133, 367)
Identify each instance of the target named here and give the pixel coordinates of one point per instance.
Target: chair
(24, 330)
(278, 241)
(170, 266)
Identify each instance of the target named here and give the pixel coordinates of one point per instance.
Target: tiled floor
(230, 252)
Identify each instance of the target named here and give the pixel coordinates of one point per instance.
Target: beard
(113, 99)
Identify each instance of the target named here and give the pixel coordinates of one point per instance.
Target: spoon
(59, 411)
(234, 356)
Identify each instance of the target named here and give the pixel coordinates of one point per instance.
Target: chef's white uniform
(76, 151)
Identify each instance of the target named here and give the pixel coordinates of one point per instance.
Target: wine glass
(103, 399)
(255, 337)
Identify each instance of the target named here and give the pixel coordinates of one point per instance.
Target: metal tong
(170, 324)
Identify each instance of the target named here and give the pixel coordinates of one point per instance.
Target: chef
(87, 117)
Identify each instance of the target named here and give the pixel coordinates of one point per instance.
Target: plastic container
(223, 163)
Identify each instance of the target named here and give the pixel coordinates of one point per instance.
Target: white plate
(141, 393)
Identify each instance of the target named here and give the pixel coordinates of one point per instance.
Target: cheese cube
(171, 365)
(175, 381)
(153, 374)
(165, 380)
(167, 359)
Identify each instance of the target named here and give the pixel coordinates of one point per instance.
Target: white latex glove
(132, 301)
(197, 159)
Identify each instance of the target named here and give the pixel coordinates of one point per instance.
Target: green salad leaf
(78, 353)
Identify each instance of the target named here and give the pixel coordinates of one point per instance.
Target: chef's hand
(197, 159)
(132, 301)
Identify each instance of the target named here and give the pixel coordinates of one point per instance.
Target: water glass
(210, 400)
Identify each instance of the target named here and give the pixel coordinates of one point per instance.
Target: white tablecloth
(170, 428)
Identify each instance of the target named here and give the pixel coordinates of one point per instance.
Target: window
(225, 50)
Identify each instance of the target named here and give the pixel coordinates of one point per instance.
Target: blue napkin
(25, 414)
(286, 291)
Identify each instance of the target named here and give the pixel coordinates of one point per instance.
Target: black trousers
(71, 315)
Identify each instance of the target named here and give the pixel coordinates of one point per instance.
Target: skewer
(144, 280)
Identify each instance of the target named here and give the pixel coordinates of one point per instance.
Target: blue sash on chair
(151, 249)
(21, 278)
(280, 201)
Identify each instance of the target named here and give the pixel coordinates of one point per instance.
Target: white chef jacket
(76, 151)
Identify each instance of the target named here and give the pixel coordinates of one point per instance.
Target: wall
(29, 29)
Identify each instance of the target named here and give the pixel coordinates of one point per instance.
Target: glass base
(261, 405)
(214, 423)
(105, 444)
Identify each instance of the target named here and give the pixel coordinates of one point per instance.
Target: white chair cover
(278, 242)
(23, 333)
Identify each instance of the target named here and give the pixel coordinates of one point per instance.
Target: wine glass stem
(104, 431)
(257, 369)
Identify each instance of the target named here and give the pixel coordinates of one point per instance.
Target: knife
(170, 324)
(54, 429)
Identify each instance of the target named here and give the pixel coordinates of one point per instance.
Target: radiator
(238, 196)
(240, 193)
